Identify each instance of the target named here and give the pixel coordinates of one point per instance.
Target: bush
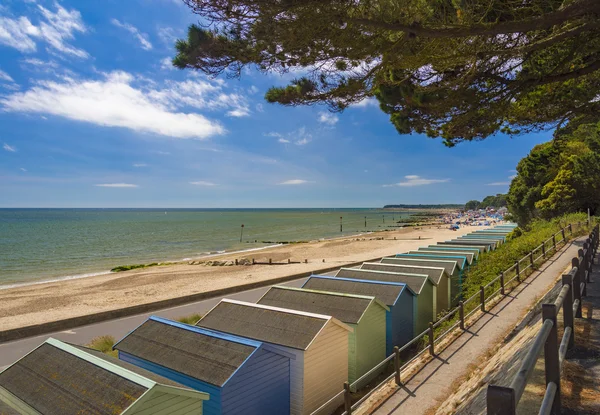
(191, 319)
(103, 344)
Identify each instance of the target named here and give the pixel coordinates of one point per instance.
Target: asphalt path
(118, 328)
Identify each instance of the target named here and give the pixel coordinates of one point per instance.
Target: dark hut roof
(55, 382)
(449, 266)
(199, 353)
(291, 328)
(347, 308)
(416, 282)
(387, 292)
(460, 260)
(435, 274)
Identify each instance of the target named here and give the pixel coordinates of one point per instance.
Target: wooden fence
(504, 400)
(490, 293)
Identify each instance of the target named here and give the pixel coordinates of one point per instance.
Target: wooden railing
(504, 400)
(487, 294)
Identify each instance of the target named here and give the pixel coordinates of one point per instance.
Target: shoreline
(51, 301)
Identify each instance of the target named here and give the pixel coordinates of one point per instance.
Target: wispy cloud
(499, 184)
(23, 169)
(119, 185)
(367, 102)
(512, 177)
(166, 64)
(54, 28)
(117, 101)
(140, 165)
(299, 137)
(203, 183)
(328, 118)
(414, 180)
(167, 35)
(162, 153)
(295, 182)
(253, 89)
(141, 37)
(283, 141)
(5, 77)
(9, 148)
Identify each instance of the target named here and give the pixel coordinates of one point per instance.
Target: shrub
(191, 319)
(103, 344)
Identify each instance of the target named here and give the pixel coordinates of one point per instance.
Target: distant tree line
(558, 177)
(489, 201)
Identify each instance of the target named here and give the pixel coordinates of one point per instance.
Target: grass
(103, 344)
(121, 268)
(191, 319)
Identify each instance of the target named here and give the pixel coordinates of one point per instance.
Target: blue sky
(93, 115)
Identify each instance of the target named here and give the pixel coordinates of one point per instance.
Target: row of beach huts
(289, 353)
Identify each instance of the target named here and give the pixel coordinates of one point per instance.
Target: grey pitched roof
(386, 293)
(467, 255)
(435, 274)
(416, 282)
(449, 244)
(55, 382)
(345, 307)
(7, 410)
(461, 261)
(207, 358)
(448, 265)
(292, 329)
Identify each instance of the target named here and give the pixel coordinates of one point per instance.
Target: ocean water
(48, 244)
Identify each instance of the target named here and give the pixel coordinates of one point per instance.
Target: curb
(74, 322)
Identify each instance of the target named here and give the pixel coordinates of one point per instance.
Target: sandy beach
(35, 304)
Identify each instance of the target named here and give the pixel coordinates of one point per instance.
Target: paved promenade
(424, 391)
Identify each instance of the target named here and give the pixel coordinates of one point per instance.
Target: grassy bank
(121, 268)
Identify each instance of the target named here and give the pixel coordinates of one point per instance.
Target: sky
(92, 114)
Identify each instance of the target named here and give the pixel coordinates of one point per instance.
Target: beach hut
(364, 314)
(489, 246)
(442, 284)
(398, 297)
(461, 260)
(451, 266)
(498, 238)
(469, 256)
(420, 284)
(242, 376)
(319, 344)
(433, 248)
(64, 379)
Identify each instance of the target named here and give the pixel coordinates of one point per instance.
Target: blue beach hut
(242, 376)
(398, 297)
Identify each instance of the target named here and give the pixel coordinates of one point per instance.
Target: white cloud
(328, 118)
(512, 177)
(295, 181)
(23, 169)
(5, 77)
(367, 102)
(253, 89)
(9, 148)
(120, 185)
(203, 183)
(141, 37)
(499, 184)
(302, 141)
(166, 64)
(140, 165)
(414, 180)
(162, 153)
(167, 35)
(115, 101)
(54, 28)
(260, 108)
(283, 141)
(299, 137)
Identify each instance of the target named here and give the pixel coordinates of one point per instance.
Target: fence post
(482, 298)
(544, 249)
(577, 285)
(502, 283)
(518, 272)
(551, 361)
(501, 400)
(562, 231)
(571, 228)
(586, 266)
(461, 314)
(347, 399)
(431, 339)
(531, 259)
(567, 279)
(397, 365)
(554, 242)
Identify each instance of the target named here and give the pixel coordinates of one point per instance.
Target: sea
(39, 245)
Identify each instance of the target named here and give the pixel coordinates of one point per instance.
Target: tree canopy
(558, 177)
(472, 205)
(455, 69)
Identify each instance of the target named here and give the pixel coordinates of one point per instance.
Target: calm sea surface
(47, 244)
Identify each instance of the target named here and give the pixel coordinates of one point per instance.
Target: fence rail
(503, 400)
(547, 248)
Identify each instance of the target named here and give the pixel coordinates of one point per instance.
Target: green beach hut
(61, 378)
(365, 314)
(432, 248)
(420, 284)
(470, 257)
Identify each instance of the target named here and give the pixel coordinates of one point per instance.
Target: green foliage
(472, 204)
(103, 344)
(191, 319)
(451, 69)
(559, 177)
(520, 244)
(493, 201)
